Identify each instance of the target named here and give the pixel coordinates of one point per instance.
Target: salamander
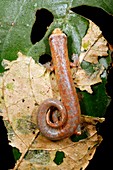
(65, 121)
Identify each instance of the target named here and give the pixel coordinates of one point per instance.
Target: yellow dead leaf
(94, 44)
(22, 88)
(77, 154)
(84, 80)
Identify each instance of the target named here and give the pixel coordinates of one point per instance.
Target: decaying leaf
(84, 80)
(93, 44)
(76, 154)
(22, 88)
(22, 92)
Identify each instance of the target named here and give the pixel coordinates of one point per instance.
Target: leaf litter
(22, 89)
(94, 45)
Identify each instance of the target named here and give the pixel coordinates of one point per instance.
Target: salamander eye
(43, 19)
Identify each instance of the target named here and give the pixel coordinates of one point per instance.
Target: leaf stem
(23, 154)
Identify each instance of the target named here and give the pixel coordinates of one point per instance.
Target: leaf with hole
(20, 95)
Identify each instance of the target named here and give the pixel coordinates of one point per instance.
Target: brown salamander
(51, 125)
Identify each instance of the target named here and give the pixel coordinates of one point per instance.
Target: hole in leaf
(7, 160)
(44, 58)
(23, 100)
(16, 153)
(43, 19)
(36, 104)
(59, 157)
(76, 138)
(101, 18)
(1, 68)
(2, 97)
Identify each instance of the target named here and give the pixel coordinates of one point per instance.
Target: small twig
(99, 36)
(23, 154)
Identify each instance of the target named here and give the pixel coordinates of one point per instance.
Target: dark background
(103, 157)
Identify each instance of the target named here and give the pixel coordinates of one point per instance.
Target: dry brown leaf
(77, 154)
(22, 88)
(84, 80)
(94, 44)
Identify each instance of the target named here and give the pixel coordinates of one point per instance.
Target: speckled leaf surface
(20, 95)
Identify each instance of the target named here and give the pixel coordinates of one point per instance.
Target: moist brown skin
(69, 107)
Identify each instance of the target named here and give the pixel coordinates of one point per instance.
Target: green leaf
(17, 19)
(76, 138)
(95, 104)
(16, 153)
(1, 68)
(73, 25)
(105, 5)
(16, 22)
(59, 157)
